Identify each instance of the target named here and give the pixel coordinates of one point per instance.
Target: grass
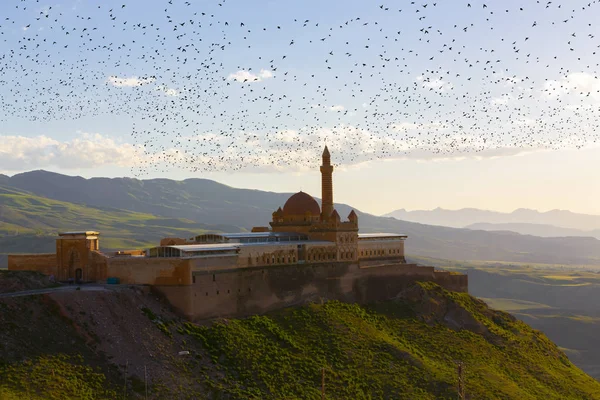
(55, 377)
(398, 350)
(511, 305)
(40, 217)
(555, 298)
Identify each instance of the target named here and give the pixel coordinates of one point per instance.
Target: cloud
(581, 84)
(168, 91)
(433, 83)
(410, 126)
(502, 99)
(336, 108)
(247, 76)
(297, 149)
(129, 82)
(19, 153)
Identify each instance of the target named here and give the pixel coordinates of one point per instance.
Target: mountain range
(535, 229)
(130, 213)
(579, 224)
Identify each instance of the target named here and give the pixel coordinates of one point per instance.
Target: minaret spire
(326, 186)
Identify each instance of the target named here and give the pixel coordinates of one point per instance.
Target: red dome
(300, 203)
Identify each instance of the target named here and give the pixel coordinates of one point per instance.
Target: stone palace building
(307, 253)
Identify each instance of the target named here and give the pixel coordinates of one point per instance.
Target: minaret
(326, 186)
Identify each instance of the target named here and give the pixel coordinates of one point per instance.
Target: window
(214, 278)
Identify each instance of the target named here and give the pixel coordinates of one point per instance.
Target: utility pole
(323, 383)
(461, 382)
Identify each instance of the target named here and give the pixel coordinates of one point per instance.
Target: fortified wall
(44, 263)
(249, 291)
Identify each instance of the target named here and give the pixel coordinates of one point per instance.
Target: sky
(425, 105)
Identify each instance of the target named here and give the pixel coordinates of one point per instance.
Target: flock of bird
(217, 86)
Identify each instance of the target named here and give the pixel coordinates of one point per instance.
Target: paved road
(66, 288)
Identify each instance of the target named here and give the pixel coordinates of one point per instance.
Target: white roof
(87, 233)
(380, 235)
(187, 248)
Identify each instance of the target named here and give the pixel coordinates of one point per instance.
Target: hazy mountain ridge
(540, 230)
(469, 216)
(197, 199)
(211, 203)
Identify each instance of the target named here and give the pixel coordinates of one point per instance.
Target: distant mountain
(535, 230)
(469, 216)
(211, 204)
(200, 200)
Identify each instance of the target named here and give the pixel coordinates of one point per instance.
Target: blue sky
(448, 105)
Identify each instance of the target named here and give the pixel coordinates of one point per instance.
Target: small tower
(73, 255)
(326, 186)
(352, 217)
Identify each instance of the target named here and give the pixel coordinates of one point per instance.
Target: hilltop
(161, 204)
(79, 344)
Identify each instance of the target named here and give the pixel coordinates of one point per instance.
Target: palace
(307, 253)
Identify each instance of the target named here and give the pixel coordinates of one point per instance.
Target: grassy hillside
(562, 301)
(402, 349)
(29, 223)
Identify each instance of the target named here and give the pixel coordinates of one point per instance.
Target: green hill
(28, 223)
(401, 349)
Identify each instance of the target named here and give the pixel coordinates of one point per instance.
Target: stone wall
(242, 292)
(44, 263)
(150, 271)
(452, 281)
(373, 249)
